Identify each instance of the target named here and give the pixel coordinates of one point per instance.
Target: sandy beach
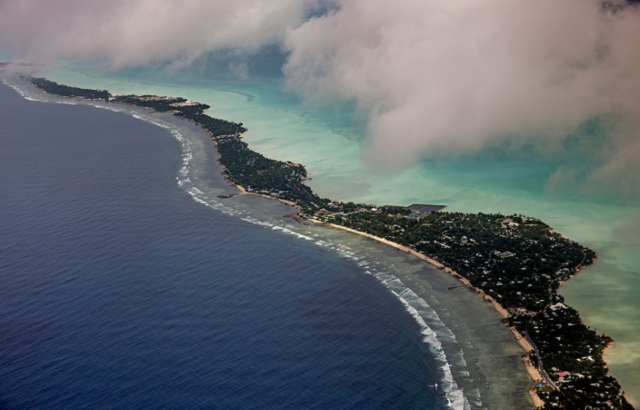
(531, 369)
(606, 352)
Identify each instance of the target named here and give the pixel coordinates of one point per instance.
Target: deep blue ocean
(119, 291)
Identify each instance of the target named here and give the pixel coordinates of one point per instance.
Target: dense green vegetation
(519, 261)
(66, 91)
(516, 259)
(245, 167)
(572, 353)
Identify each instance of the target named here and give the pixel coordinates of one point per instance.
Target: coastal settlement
(515, 262)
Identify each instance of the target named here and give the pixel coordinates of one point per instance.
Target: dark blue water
(117, 290)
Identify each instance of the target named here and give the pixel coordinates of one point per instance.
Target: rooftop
(425, 208)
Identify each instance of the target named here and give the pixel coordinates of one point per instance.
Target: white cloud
(452, 76)
(129, 33)
(435, 76)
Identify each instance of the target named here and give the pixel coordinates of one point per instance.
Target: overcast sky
(434, 76)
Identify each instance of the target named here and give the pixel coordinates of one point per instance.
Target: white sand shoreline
(533, 372)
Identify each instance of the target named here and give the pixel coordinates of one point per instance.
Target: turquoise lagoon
(330, 142)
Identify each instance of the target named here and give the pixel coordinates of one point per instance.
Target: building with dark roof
(424, 208)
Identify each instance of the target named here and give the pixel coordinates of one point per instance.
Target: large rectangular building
(424, 208)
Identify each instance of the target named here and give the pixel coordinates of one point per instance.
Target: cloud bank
(455, 75)
(436, 77)
(132, 33)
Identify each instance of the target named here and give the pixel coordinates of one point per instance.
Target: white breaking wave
(292, 232)
(454, 394)
(183, 179)
(19, 90)
(256, 221)
(103, 107)
(420, 310)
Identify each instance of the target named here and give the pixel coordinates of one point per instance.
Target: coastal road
(545, 376)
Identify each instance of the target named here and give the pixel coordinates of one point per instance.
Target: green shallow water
(330, 144)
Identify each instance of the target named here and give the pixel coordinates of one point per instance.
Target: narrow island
(515, 262)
